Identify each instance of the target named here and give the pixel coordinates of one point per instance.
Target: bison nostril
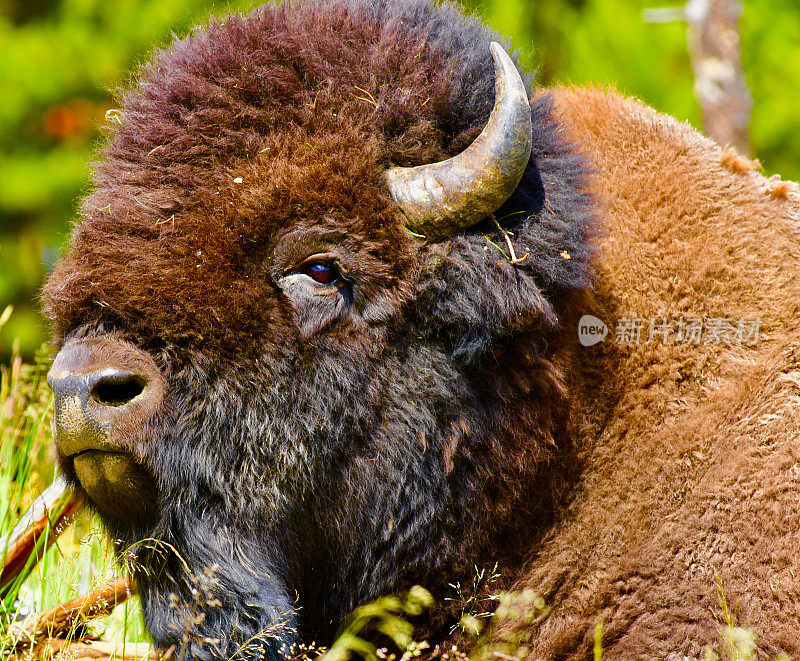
(117, 389)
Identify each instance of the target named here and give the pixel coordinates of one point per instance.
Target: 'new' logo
(591, 330)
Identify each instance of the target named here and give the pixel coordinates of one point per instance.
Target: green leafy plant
(387, 616)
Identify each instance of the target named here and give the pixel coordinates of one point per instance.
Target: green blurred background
(61, 60)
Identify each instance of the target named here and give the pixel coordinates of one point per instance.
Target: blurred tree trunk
(720, 86)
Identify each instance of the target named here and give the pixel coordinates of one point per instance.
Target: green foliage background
(60, 61)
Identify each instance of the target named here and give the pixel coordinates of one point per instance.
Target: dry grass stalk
(94, 650)
(64, 620)
(38, 531)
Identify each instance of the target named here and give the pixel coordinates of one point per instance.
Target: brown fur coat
(689, 501)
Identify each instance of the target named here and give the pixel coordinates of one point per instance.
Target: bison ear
(470, 297)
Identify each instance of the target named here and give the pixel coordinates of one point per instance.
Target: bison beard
(314, 448)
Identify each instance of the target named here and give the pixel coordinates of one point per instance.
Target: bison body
(682, 522)
(289, 404)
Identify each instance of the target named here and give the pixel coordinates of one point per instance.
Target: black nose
(107, 387)
(104, 389)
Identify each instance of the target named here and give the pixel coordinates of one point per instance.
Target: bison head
(297, 365)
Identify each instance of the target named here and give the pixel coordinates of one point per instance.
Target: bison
(319, 339)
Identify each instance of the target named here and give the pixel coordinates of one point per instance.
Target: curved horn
(443, 199)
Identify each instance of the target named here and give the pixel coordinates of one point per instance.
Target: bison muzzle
(105, 391)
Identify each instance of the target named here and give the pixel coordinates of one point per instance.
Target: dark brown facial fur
(319, 444)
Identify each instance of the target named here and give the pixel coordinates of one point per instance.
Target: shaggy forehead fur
(283, 118)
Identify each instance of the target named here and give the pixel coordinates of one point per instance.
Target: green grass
(81, 559)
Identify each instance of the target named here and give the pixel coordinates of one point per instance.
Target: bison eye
(321, 272)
